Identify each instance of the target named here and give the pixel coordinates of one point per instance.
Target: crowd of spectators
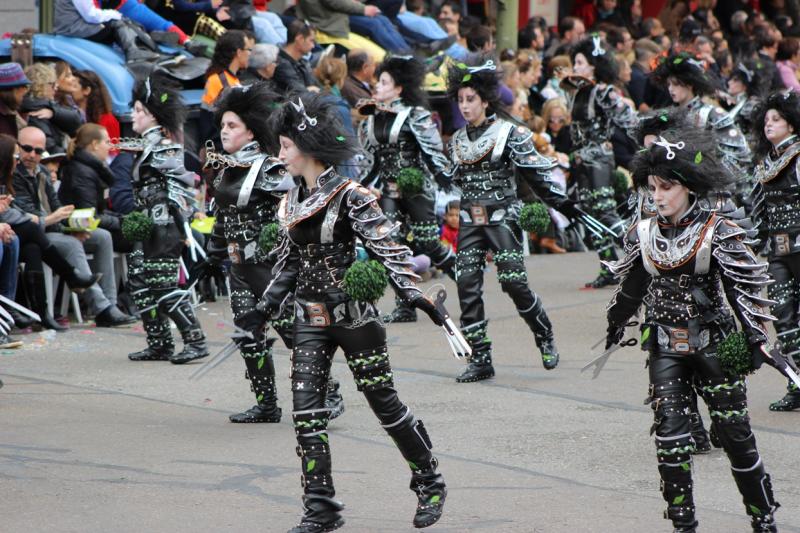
(61, 119)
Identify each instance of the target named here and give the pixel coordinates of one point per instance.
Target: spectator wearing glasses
(231, 55)
(36, 196)
(35, 249)
(13, 87)
(58, 122)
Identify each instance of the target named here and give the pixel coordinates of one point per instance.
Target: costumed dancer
(688, 82)
(683, 264)
(776, 205)
(596, 107)
(487, 155)
(247, 191)
(746, 85)
(321, 220)
(164, 192)
(406, 148)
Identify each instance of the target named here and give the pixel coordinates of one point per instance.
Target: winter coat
(84, 179)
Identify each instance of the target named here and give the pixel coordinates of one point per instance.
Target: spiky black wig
(600, 56)
(312, 122)
(686, 156)
(253, 104)
(753, 75)
(658, 122)
(162, 98)
(787, 104)
(689, 70)
(408, 73)
(481, 74)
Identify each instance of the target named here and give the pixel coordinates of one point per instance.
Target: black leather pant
(785, 270)
(421, 217)
(504, 242)
(247, 283)
(153, 282)
(365, 350)
(596, 195)
(671, 378)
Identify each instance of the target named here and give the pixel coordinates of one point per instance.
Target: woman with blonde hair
(58, 122)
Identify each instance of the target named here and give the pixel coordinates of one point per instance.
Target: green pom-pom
(734, 355)
(136, 226)
(268, 237)
(534, 217)
(365, 281)
(410, 181)
(620, 183)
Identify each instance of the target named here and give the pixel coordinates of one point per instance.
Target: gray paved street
(90, 442)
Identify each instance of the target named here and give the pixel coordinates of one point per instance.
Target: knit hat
(11, 76)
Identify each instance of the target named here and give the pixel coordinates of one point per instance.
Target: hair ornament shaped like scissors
(307, 121)
(668, 146)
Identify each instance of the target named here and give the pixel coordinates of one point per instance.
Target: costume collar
(695, 210)
(785, 144)
(247, 153)
(153, 135)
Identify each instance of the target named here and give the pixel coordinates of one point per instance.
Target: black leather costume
(683, 273)
(776, 206)
(317, 247)
(248, 190)
(595, 109)
(164, 190)
(399, 137)
(486, 160)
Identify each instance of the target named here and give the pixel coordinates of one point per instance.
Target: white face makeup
(233, 133)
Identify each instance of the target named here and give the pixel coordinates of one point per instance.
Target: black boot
(34, 286)
(261, 373)
(403, 312)
(320, 511)
(194, 341)
(125, 36)
(75, 280)
(759, 503)
(427, 483)
(333, 399)
(480, 363)
(542, 329)
(603, 279)
(20, 321)
(789, 402)
(160, 345)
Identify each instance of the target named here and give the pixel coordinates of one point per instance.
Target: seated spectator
(558, 68)
(449, 231)
(556, 120)
(14, 85)
(331, 72)
(36, 196)
(58, 122)
(530, 73)
(450, 10)
(52, 162)
(457, 50)
(34, 246)
(645, 50)
(262, 64)
(92, 98)
(267, 27)
(332, 23)
(418, 28)
(162, 29)
(231, 55)
(531, 37)
(767, 45)
(360, 77)
(570, 33)
(82, 18)
(293, 74)
(787, 61)
(66, 84)
(480, 40)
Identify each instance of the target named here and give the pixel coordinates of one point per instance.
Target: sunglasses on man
(28, 148)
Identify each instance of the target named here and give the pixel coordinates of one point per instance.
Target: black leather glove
(444, 181)
(570, 209)
(425, 305)
(758, 357)
(208, 267)
(614, 335)
(253, 321)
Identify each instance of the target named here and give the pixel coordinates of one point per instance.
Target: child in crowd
(449, 231)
